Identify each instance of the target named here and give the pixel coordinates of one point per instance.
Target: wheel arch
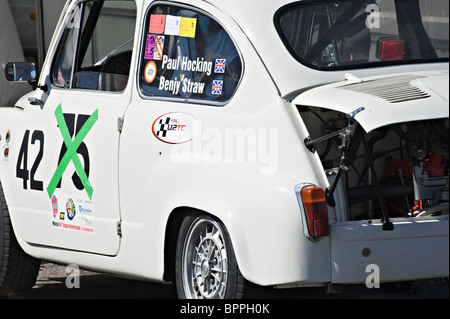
(170, 241)
(173, 225)
(257, 224)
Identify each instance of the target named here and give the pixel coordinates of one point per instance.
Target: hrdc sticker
(157, 23)
(72, 212)
(175, 128)
(150, 71)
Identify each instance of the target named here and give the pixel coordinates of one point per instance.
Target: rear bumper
(417, 248)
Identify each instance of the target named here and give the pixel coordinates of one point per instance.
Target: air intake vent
(394, 89)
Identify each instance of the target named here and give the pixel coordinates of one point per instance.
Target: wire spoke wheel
(204, 260)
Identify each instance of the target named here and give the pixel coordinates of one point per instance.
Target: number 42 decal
(22, 162)
(69, 152)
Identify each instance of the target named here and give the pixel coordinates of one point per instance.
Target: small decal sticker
(159, 47)
(217, 87)
(6, 152)
(149, 47)
(157, 23)
(175, 128)
(70, 209)
(55, 207)
(76, 215)
(220, 66)
(188, 27)
(150, 72)
(173, 24)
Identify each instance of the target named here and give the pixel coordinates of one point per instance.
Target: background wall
(26, 28)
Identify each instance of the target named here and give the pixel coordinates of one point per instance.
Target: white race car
(228, 145)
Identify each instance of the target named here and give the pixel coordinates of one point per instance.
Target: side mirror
(21, 72)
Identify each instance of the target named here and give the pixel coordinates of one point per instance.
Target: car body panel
(141, 179)
(300, 77)
(381, 101)
(413, 243)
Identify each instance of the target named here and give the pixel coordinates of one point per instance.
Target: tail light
(315, 211)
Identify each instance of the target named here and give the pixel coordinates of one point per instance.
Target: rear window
(350, 34)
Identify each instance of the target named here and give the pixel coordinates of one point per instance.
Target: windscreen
(352, 34)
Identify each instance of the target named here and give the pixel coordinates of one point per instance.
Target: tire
(206, 267)
(18, 271)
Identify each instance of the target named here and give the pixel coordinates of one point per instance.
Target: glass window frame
(298, 4)
(61, 43)
(141, 61)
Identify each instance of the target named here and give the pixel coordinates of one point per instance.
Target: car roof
(256, 19)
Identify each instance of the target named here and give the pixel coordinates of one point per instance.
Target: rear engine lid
(379, 101)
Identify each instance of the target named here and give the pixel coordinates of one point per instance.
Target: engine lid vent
(393, 89)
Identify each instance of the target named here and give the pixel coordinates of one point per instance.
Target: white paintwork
(140, 180)
(377, 111)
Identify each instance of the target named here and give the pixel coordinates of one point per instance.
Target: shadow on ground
(52, 284)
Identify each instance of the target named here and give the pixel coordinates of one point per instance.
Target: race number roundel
(175, 128)
(150, 72)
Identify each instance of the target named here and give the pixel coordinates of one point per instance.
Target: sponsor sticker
(55, 207)
(75, 213)
(6, 149)
(70, 209)
(175, 128)
(150, 71)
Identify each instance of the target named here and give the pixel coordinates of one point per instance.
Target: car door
(76, 127)
(188, 68)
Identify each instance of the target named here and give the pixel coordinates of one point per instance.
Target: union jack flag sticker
(220, 66)
(217, 87)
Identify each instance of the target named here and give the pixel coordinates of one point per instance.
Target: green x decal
(71, 153)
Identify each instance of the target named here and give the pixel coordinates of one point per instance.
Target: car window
(351, 34)
(187, 54)
(95, 50)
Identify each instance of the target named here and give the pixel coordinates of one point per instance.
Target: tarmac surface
(53, 283)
